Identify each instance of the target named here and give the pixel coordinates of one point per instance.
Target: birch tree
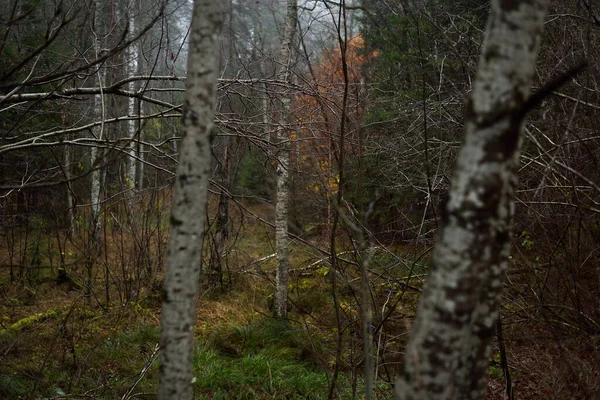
(447, 355)
(131, 67)
(284, 61)
(182, 273)
(96, 154)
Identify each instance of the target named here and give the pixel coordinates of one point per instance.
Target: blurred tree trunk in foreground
(182, 273)
(447, 355)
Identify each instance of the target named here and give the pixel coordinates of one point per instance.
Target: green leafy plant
(526, 241)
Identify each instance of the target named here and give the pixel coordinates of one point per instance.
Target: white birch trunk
(283, 137)
(95, 198)
(188, 213)
(69, 186)
(95, 226)
(447, 355)
(131, 56)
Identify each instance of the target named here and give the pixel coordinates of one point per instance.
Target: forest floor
(57, 342)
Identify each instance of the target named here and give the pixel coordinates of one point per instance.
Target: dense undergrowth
(106, 354)
(59, 341)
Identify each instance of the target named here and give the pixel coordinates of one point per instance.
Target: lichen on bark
(180, 289)
(447, 355)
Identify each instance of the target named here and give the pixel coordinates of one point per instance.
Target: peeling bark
(180, 291)
(447, 355)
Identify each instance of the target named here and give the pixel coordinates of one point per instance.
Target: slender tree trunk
(131, 69)
(188, 213)
(447, 355)
(283, 138)
(94, 240)
(96, 157)
(69, 187)
(100, 27)
(140, 154)
(222, 222)
(222, 218)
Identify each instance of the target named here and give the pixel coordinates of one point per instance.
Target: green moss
(30, 321)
